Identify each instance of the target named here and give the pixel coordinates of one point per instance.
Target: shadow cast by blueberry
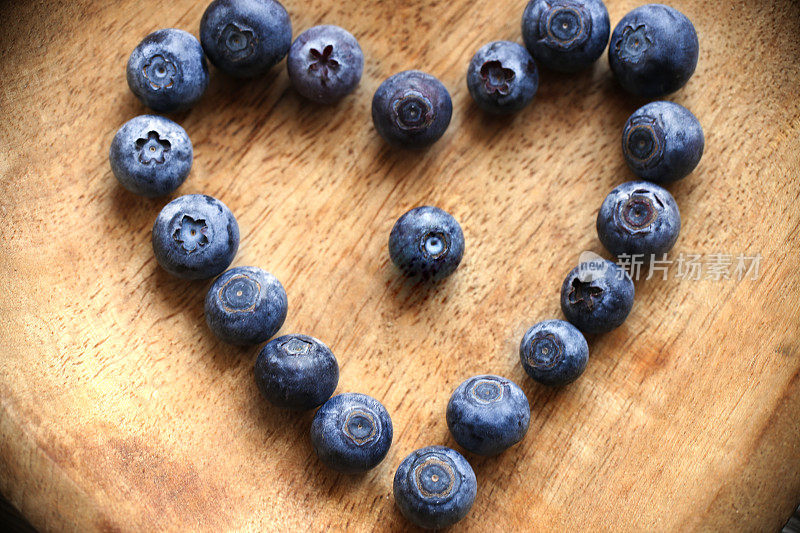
(399, 164)
(135, 212)
(408, 292)
(224, 356)
(483, 127)
(182, 295)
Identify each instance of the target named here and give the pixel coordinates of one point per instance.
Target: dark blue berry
(412, 109)
(325, 64)
(554, 352)
(639, 218)
(351, 432)
(426, 242)
(597, 296)
(434, 487)
(488, 414)
(245, 38)
(662, 142)
(167, 71)
(246, 305)
(296, 372)
(653, 51)
(151, 155)
(566, 35)
(195, 237)
(502, 77)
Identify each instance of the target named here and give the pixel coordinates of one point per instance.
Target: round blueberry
(653, 51)
(325, 64)
(195, 237)
(150, 155)
(245, 305)
(639, 218)
(351, 432)
(245, 38)
(566, 35)
(502, 77)
(426, 242)
(597, 296)
(434, 487)
(488, 414)
(296, 372)
(167, 71)
(554, 352)
(412, 109)
(662, 142)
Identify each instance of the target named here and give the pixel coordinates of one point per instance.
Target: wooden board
(120, 411)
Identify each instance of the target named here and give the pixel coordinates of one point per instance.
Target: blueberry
(488, 414)
(662, 142)
(566, 35)
(245, 305)
(426, 242)
(150, 155)
(245, 38)
(434, 487)
(639, 218)
(167, 71)
(554, 352)
(195, 237)
(502, 77)
(351, 432)
(325, 64)
(412, 109)
(653, 51)
(597, 296)
(296, 372)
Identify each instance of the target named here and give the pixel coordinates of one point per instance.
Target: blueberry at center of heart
(413, 112)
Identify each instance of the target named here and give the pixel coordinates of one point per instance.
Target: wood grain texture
(120, 411)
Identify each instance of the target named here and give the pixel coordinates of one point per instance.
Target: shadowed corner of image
(12, 520)
(793, 525)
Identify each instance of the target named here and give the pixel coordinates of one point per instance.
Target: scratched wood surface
(120, 411)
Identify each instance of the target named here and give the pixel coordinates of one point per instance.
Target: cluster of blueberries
(653, 51)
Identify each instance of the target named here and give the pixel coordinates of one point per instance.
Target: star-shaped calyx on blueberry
(322, 64)
(191, 233)
(497, 78)
(584, 293)
(295, 346)
(152, 149)
(237, 41)
(160, 72)
(634, 43)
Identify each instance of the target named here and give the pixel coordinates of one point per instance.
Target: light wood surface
(119, 410)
